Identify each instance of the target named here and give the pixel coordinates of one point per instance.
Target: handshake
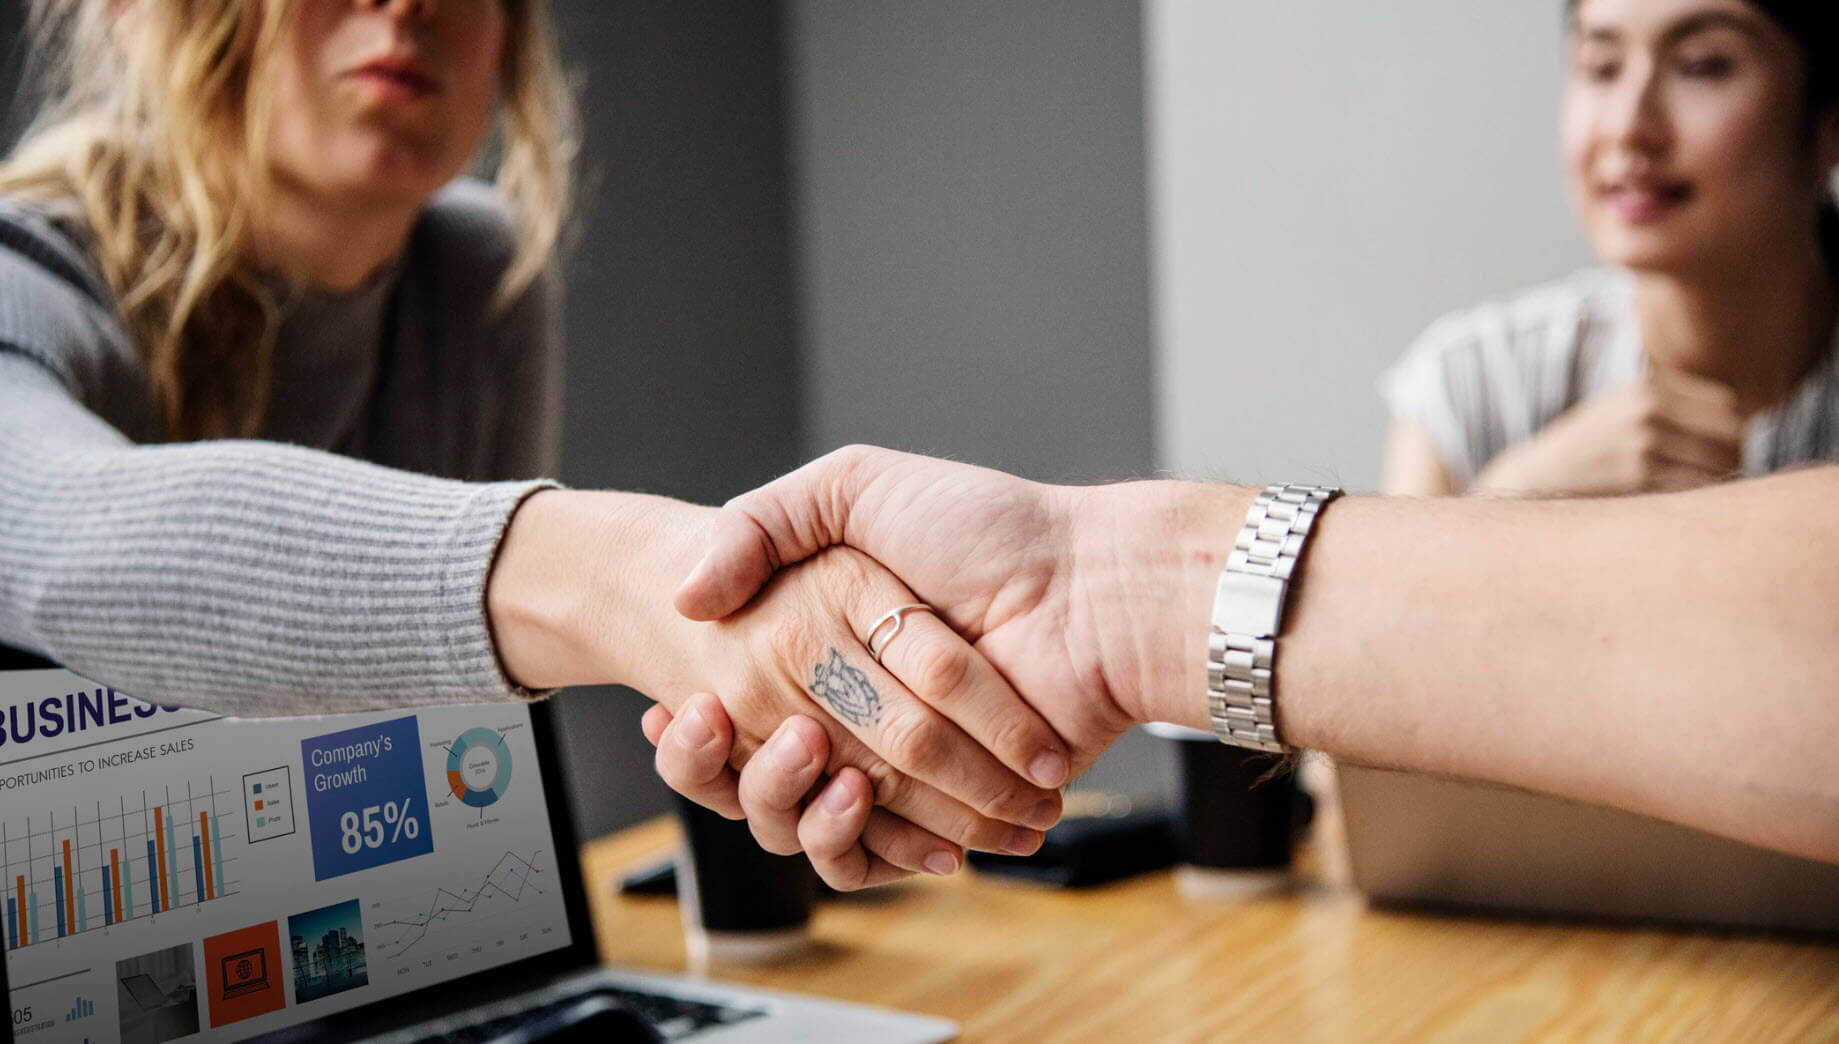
(881, 659)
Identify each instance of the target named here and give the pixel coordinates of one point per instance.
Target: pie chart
(479, 767)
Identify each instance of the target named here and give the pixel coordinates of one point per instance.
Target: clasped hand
(1009, 567)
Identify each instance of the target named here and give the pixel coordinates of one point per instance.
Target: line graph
(499, 890)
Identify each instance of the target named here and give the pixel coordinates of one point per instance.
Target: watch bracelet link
(1248, 612)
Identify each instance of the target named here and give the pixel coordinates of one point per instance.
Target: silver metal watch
(1248, 612)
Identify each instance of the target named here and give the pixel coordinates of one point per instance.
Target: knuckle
(890, 786)
(938, 668)
(793, 640)
(839, 875)
(667, 769)
(1646, 444)
(741, 754)
(850, 457)
(910, 740)
(891, 839)
(769, 788)
(982, 832)
(843, 573)
(1015, 738)
(746, 703)
(966, 827)
(754, 790)
(823, 841)
(1009, 802)
(771, 840)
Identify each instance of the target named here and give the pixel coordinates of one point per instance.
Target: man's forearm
(1672, 655)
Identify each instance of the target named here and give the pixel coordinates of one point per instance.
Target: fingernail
(693, 730)
(1023, 842)
(839, 800)
(1043, 815)
(942, 863)
(790, 753)
(1048, 770)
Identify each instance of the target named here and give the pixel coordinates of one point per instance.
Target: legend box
(268, 803)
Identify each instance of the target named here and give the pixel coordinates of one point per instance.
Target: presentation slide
(173, 874)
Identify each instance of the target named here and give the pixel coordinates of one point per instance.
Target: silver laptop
(319, 879)
(1419, 840)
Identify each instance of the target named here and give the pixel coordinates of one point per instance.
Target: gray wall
(972, 241)
(682, 375)
(1327, 178)
(12, 55)
(971, 230)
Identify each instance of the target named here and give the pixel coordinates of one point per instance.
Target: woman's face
(1687, 140)
(384, 101)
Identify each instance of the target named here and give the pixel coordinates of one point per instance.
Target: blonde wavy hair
(150, 138)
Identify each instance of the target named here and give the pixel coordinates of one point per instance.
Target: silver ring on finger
(898, 617)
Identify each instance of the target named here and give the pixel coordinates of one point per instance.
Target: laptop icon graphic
(245, 972)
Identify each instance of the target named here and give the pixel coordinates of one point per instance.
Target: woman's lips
(1642, 203)
(396, 81)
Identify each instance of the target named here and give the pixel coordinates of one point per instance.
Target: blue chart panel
(366, 800)
(479, 767)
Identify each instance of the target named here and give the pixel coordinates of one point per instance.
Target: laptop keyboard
(675, 1018)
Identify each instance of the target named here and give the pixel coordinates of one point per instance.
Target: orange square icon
(243, 974)
(258, 806)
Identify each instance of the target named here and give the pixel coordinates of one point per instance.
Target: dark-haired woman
(1699, 142)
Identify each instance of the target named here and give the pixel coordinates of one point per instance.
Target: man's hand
(1091, 601)
(991, 553)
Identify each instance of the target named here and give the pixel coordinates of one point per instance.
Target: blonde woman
(274, 387)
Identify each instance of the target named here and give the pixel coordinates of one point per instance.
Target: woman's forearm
(574, 595)
(244, 577)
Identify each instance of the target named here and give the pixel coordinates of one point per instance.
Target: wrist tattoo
(846, 690)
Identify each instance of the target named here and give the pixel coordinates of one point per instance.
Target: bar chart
(89, 867)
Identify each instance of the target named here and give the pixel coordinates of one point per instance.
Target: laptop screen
(175, 874)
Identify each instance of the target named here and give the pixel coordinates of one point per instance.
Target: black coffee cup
(741, 903)
(1240, 813)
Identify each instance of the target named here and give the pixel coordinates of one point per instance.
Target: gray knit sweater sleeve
(251, 578)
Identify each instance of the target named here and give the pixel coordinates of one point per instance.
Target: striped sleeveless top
(1481, 380)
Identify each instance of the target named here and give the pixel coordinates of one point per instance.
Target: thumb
(787, 520)
(739, 562)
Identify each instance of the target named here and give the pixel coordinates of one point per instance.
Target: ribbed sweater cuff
(469, 547)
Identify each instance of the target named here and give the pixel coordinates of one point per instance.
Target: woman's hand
(1654, 434)
(850, 842)
(581, 593)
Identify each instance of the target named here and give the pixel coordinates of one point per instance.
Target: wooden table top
(1136, 961)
